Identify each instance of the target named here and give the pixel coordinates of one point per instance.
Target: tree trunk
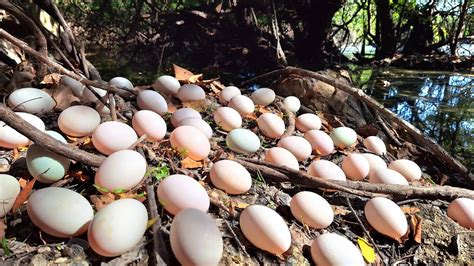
(454, 43)
(386, 45)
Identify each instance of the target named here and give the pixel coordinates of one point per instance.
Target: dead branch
(290, 129)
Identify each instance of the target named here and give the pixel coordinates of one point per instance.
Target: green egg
(242, 141)
(343, 137)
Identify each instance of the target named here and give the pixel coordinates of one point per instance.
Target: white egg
(167, 85)
(9, 190)
(191, 92)
(78, 121)
(263, 96)
(292, 103)
(153, 101)
(227, 93)
(121, 82)
(31, 100)
(242, 104)
(333, 249)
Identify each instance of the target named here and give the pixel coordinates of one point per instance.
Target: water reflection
(438, 103)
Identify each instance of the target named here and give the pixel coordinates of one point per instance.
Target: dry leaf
(195, 78)
(25, 193)
(51, 79)
(199, 106)
(101, 201)
(340, 210)
(22, 182)
(263, 109)
(409, 209)
(240, 204)
(367, 251)
(64, 97)
(416, 226)
(189, 163)
(78, 175)
(251, 116)
(182, 73)
(3, 227)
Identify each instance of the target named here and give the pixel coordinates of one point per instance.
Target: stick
(290, 129)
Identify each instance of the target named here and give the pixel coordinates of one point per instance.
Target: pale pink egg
(307, 122)
(299, 146)
(178, 192)
(242, 104)
(409, 169)
(149, 123)
(263, 96)
(321, 143)
(387, 176)
(153, 101)
(191, 142)
(282, 157)
(375, 145)
(198, 123)
(271, 125)
(375, 162)
(227, 118)
(227, 93)
(167, 85)
(183, 113)
(462, 211)
(231, 177)
(326, 170)
(355, 166)
(191, 92)
(78, 121)
(332, 249)
(386, 217)
(113, 136)
(10, 138)
(311, 209)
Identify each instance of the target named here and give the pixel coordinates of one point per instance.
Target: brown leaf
(263, 109)
(409, 209)
(79, 175)
(100, 201)
(199, 106)
(182, 73)
(25, 193)
(195, 78)
(251, 116)
(51, 79)
(189, 163)
(340, 210)
(416, 226)
(23, 182)
(3, 227)
(63, 97)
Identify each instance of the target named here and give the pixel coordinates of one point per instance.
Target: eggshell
(299, 146)
(9, 190)
(265, 229)
(191, 141)
(195, 238)
(282, 157)
(355, 166)
(31, 100)
(375, 162)
(460, 210)
(343, 137)
(386, 217)
(263, 96)
(183, 113)
(38, 160)
(271, 125)
(153, 101)
(292, 103)
(199, 124)
(333, 249)
(307, 122)
(122, 170)
(149, 123)
(387, 176)
(375, 145)
(227, 93)
(191, 92)
(59, 211)
(227, 118)
(113, 136)
(10, 138)
(121, 82)
(321, 143)
(178, 192)
(167, 85)
(78, 121)
(231, 177)
(242, 141)
(117, 227)
(409, 169)
(311, 209)
(326, 170)
(242, 104)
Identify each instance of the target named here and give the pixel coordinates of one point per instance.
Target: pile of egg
(194, 236)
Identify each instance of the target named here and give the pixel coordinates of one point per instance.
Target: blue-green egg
(242, 141)
(343, 137)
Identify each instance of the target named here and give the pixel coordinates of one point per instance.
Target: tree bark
(386, 46)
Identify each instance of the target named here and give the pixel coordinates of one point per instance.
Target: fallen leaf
(78, 175)
(240, 204)
(22, 182)
(189, 163)
(181, 73)
(3, 227)
(216, 86)
(199, 106)
(25, 193)
(416, 226)
(367, 251)
(251, 116)
(51, 79)
(263, 109)
(195, 78)
(340, 210)
(100, 201)
(409, 209)
(63, 97)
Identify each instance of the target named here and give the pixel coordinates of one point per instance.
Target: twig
(113, 111)
(138, 141)
(290, 129)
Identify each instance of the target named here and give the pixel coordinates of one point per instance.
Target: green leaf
(6, 247)
(101, 189)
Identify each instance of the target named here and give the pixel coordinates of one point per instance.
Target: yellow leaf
(367, 250)
(189, 163)
(181, 73)
(151, 222)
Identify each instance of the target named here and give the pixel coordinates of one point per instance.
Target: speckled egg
(121, 82)
(326, 170)
(153, 101)
(78, 121)
(375, 162)
(178, 192)
(190, 142)
(320, 142)
(31, 100)
(9, 190)
(265, 229)
(59, 211)
(307, 122)
(113, 136)
(387, 176)
(386, 217)
(263, 96)
(409, 169)
(299, 146)
(311, 209)
(343, 137)
(227, 118)
(375, 145)
(231, 177)
(460, 210)
(183, 113)
(242, 104)
(355, 166)
(199, 124)
(227, 93)
(117, 227)
(332, 249)
(149, 123)
(10, 138)
(292, 103)
(191, 92)
(167, 85)
(281, 157)
(195, 238)
(271, 125)
(242, 141)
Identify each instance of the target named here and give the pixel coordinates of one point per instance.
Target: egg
(227, 118)
(292, 103)
(386, 217)
(375, 162)
(122, 170)
(242, 104)
(178, 192)
(460, 210)
(307, 122)
(31, 100)
(242, 141)
(409, 169)
(9, 190)
(326, 170)
(265, 229)
(89, 97)
(263, 96)
(121, 82)
(153, 101)
(387, 176)
(355, 166)
(311, 209)
(231, 177)
(281, 157)
(199, 124)
(299, 146)
(167, 85)
(113, 136)
(343, 137)
(190, 142)
(191, 92)
(59, 211)
(183, 113)
(375, 145)
(271, 125)
(149, 123)
(10, 138)
(78, 121)
(76, 87)
(333, 249)
(321, 143)
(195, 238)
(227, 93)
(117, 227)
